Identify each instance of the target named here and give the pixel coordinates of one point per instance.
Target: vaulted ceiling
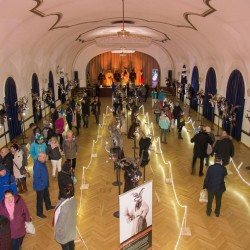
(46, 32)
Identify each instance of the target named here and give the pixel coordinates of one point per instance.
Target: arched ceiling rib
(57, 30)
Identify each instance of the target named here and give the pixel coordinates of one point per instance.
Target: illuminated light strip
(184, 220)
(231, 159)
(108, 109)
(81, 238)
(191, 121)
(83, 169)
(183, 230)
(237, 170)
(142, 107)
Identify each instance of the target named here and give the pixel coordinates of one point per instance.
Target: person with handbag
(200, 141)
(18, 168)
(14, 208)
(215, 184)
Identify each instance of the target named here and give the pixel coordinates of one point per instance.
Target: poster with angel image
(135, 208)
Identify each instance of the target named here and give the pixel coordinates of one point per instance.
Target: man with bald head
(7, 159)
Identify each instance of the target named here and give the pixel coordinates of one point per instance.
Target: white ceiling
(189, 31)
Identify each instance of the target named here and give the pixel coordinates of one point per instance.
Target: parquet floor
(99, 229)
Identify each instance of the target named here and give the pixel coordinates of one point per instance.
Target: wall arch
(235, 96)
(35, 89)
(12, 109)
(210, 89)
(161, 55)
(195, 86)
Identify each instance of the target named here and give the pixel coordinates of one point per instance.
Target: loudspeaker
(170, 75)
(76, 75)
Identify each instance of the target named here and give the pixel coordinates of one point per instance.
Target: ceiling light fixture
(123, 51)
(123, 38)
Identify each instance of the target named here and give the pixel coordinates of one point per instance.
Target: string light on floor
(231, 159)
(184, 230)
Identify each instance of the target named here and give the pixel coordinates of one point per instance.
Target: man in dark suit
(215, 185)
(200, 141)
(224, 146)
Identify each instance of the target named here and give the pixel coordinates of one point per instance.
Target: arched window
(235, 96)
(35, 90)
(210, 89)
(195, 86)
(12, 114)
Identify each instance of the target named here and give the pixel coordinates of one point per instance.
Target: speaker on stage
(76, 75)
(170, 75)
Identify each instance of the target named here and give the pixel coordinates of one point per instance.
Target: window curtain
(210, 88)
(195, 86)
(51, 86)
(36, 90)
(12, 109)
(235, 95)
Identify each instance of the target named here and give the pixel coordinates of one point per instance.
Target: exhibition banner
(135, 208)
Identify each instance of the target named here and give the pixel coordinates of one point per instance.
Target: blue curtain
(235, 95)
(210, 88)
(35, 90)
(12, 114)
(195, 86)
(51, 86)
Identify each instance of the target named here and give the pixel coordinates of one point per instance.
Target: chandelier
(123, 38)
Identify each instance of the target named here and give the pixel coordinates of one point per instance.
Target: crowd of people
(54, 143)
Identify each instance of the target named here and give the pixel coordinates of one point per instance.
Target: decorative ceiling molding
(186, 16)
(80, 39)
(204, 14)
(41, 14)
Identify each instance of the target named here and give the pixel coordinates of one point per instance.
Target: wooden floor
(99, 229)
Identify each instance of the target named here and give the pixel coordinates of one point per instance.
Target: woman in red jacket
(14, 208)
